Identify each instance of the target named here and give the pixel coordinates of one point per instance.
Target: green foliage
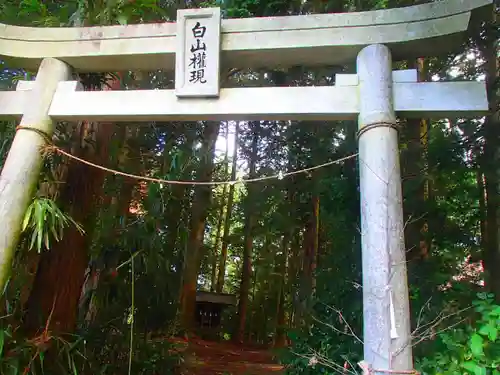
(79, 12)
(81, 355)
(110, 350)
(470, 348)
(43, 220)
(118, 12)
(19, 355)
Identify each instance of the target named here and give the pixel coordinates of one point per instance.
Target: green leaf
(39, 217)
(476, 345)
(73, 366)
(46, 240)
(54, 231)
(27, 217)
(33, 240)
(489, 330)
(470, 366)
(1, 342)
(480, 370)
(122, 19)
(482, 295)
(493, 335)
(496, 311)
(42, 357)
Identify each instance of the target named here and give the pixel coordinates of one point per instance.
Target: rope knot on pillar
(45, 150)
(40, 132)
(379, 124)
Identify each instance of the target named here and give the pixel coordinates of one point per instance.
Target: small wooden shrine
(209, 307)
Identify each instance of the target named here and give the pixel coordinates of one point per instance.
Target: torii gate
(196, 47)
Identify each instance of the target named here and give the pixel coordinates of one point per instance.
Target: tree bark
(310, 252)
(88, 306)
(294, 278)
(201, 204)
(248, 243)
(280, 335)
(177, 214)
(417, 187)
(227, 223)
(491, 158)
(61, 270)
(482, 219)
(220, 218)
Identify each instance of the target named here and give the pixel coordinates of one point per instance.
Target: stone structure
(198, 53)
(321, 39)
(375, 95)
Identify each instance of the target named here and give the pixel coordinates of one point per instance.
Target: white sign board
(197, 58)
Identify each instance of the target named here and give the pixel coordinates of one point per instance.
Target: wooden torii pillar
(374, 96)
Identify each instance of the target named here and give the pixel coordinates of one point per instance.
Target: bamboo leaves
(44, 220)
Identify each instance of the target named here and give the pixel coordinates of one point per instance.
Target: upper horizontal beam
(253, 42)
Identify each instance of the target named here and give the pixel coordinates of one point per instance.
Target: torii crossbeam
(374, 95)
(327, 103)
(319, 39)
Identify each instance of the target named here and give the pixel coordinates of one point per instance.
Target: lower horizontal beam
(294, 103)
(12, 104)
(430, 99)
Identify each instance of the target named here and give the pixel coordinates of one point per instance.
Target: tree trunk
(294, 278)
(490, 160)
(482, 218)
(120, 207)
(248, 243)
(26, 264)
(310, 251)
(416, 186)
(61, 270)
(201, 204)
(293, 257)
(258, 296)
(280, 337)
(424, 244)
(177, 215)
(245, 278)
(227, 223)
(178, 203)
(220, 217)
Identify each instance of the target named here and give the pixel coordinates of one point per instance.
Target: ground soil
(224, 358)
